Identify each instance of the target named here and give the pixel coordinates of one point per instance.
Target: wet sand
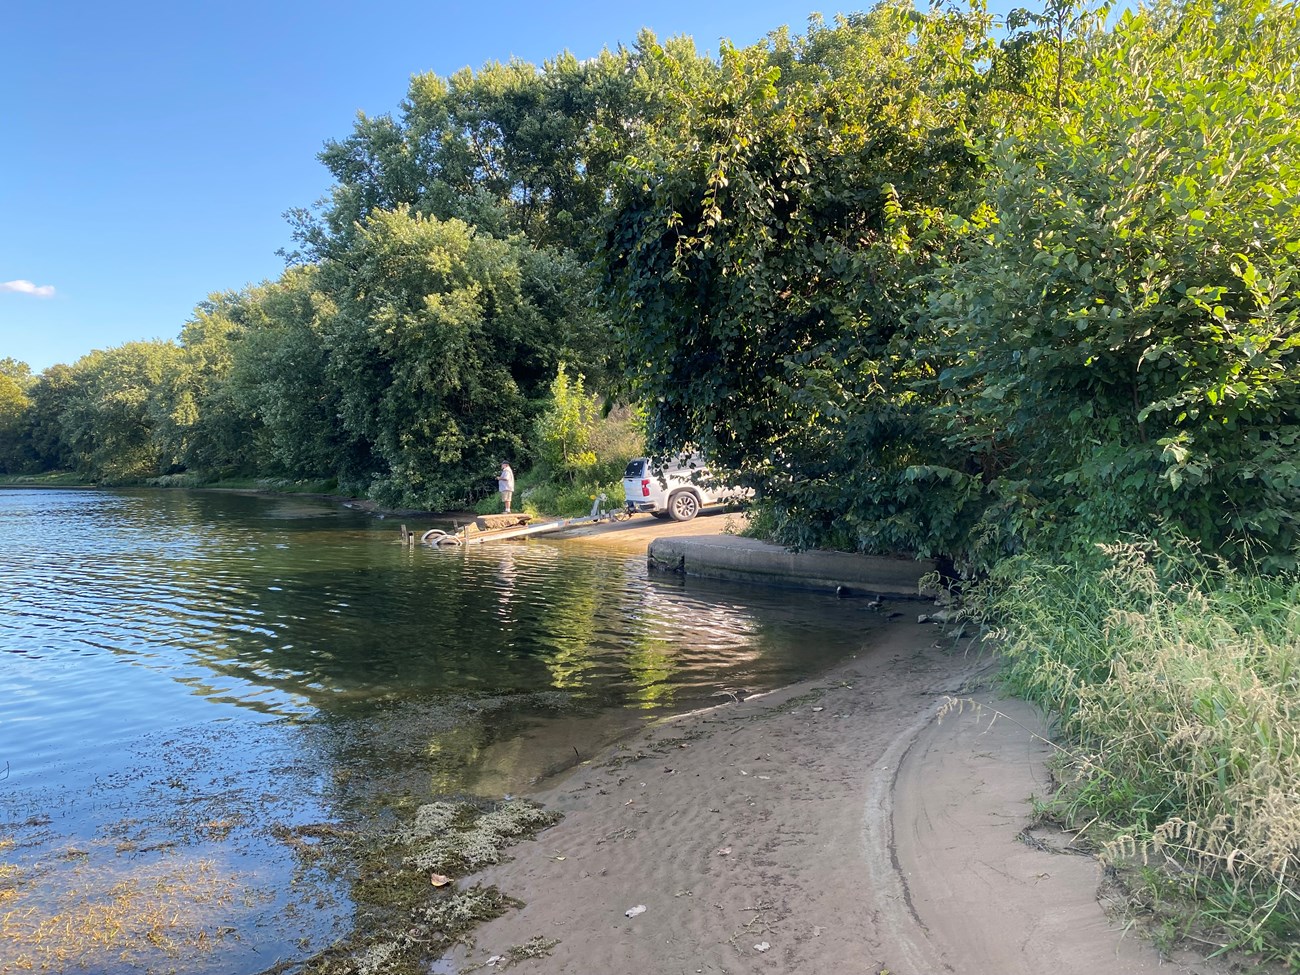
(845, 824)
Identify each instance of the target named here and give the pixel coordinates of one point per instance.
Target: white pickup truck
(676, 492)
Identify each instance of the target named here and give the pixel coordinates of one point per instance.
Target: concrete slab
(749, 560)
(634, 536)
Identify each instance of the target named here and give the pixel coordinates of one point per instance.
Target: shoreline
(876, 814)
(873, 819)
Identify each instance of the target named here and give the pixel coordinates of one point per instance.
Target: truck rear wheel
(683, 506)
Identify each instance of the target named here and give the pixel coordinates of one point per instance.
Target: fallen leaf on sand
(438, 880)
(762, 946)
(819, 709)
(725, 851)
(634, 911)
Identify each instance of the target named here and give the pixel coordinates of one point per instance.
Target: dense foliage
(936, 299)
(764, 269)
(926, 283)
(1117, 339)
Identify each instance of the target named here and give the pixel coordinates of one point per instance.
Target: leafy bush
(569, 501)
(564, 430)
(1119, 341)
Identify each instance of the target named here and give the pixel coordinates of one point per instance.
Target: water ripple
(140, 609)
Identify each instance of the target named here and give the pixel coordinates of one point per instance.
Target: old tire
(683, 506)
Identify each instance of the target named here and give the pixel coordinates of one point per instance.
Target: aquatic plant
(404, 919)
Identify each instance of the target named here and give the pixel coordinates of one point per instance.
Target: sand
(835, 826)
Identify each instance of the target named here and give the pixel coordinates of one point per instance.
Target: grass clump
(46, 479)
(538, 947)
(1175, 682)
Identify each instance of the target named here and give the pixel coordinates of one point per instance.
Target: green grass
(273, 485)
(554, 498)
(45, 479)
(1175, 684)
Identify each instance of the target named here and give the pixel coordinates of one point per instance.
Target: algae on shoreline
(409, 909)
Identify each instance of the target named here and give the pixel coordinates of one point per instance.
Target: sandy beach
(870, 821)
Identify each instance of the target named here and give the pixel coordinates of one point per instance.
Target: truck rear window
(635, 468)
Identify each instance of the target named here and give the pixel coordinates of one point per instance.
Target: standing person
(506, 485)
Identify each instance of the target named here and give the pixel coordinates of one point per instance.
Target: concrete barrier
(749, 560)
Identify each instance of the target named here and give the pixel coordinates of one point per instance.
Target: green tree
(564, 429)
(1117, 341)
(509, 148)
(16, 454)
(764, 251)
(112, 407)
(437, 353)
(19, 372)
(49, 397)
(278, 384)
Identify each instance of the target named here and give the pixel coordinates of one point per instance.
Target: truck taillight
(645, 487)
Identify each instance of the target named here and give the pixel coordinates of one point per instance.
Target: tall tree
(16, 454)
(764, 252)
(279, 384)
(1119, 337)
(436, 350)
(509, 148)
(112, 409)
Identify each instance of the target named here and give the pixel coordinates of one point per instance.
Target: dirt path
(835, 826)
(636, 534)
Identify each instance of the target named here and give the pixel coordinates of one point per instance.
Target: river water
(191, 682)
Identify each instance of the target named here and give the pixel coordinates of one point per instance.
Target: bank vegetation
(995, 292)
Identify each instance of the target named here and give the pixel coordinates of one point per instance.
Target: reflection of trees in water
(385, 629)
(651, 665)
(286, 607)
(515, 618)
(408, 673)
(567, 626)
(284, 611)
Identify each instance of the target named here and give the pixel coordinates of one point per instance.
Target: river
(195, 684)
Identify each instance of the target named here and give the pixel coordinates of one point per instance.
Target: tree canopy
(926, 285)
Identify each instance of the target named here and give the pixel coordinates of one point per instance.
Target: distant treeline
(927, 285)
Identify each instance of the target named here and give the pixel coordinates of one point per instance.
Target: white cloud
(27, 288)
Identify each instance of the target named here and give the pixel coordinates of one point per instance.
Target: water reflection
(286, 608)
(189, 671)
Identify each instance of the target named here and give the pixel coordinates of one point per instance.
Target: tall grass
(1175, 684)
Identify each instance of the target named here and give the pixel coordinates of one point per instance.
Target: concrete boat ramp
(709, 547)
(740, 559)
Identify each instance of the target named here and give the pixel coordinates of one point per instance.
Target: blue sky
(150, 150)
